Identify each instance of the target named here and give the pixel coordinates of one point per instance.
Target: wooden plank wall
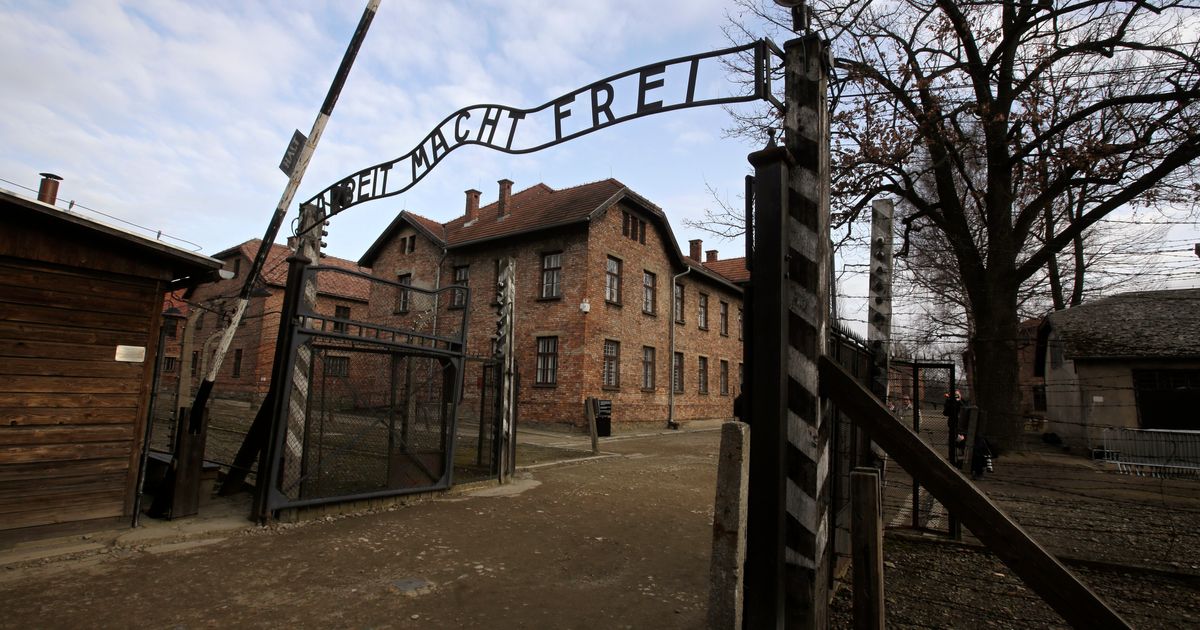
(71, 417)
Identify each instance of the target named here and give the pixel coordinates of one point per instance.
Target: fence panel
(1153, 452)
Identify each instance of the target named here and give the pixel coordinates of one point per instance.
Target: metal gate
(479, 422)
(917, 392)
(368, 403)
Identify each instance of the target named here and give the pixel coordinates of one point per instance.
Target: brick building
(594, 271)
(246, 372)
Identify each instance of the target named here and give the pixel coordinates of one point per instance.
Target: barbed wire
(71, 205)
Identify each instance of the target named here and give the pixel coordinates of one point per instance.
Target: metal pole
(955, 522)
(141, 478)
(289, 192)
(767, 387)
(265, 479)
(916, 422)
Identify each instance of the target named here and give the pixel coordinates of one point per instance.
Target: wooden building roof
(1140, 324)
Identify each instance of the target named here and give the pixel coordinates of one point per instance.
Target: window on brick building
(337, 366)
(649, 292)
(724, 376)
(408, 244)
(633, 227)
(169, 364)
(702, 312)
(741, 375)
(403, 294)
(677, 373)
(740, 324)
(200, 321)
(702, 375)
(195, 361)
(679, 303)
(237, 363)
(458, 297)
(237, 267)
(612, 280)
(612, 363)
(552, 275)
(547, 361)
(340, 312)
(724, 319)
(647, 368)
(172, 328)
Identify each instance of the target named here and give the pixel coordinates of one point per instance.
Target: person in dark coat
(951, 410)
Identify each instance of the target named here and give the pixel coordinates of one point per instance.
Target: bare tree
(1007, 129)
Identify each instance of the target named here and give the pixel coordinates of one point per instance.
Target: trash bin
(603, 418)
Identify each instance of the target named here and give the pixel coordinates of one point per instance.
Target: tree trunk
(997, 381)
(1052, 271)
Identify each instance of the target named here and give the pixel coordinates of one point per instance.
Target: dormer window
(633, 228)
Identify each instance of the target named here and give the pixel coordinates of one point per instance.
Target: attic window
(633, 227)
(408, 244)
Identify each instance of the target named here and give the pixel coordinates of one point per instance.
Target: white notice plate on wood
(131, 354)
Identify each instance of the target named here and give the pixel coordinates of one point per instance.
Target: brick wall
(634, 329)
(581, 337)
(255, 337)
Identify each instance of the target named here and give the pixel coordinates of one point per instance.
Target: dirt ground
(617, 542)
(620, 542)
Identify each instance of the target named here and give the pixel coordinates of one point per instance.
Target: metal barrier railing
(1153, 452)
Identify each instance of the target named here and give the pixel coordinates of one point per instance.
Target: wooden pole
(1041, 572)
(866, 542)
(589, 411)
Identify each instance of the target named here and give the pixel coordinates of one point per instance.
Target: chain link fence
(382, 386)
(917, 393)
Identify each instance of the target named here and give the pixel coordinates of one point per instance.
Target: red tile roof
(436, 229)
(541, 207)
(733, 269)
(336, 284)
(536, 207)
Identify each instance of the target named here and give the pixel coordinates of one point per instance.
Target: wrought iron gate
(917, 393)
(368, 403)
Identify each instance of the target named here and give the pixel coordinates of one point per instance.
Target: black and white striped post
(296, 166)
(787, 555)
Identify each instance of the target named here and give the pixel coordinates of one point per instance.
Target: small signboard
(130, 354)
(292, 155)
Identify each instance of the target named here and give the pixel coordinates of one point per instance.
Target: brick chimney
(694, 247)
(472, 204)
(505, 194)
(710, 256)
(48, 190)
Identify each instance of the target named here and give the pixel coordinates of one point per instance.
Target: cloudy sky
(174, 115)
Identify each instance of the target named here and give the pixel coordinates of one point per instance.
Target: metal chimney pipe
(48, 190)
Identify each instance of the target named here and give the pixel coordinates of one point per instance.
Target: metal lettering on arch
(660, 87)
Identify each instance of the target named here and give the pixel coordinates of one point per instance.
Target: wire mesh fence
(375, 421)
(242, 382)
(918, 393)
(380, 404)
